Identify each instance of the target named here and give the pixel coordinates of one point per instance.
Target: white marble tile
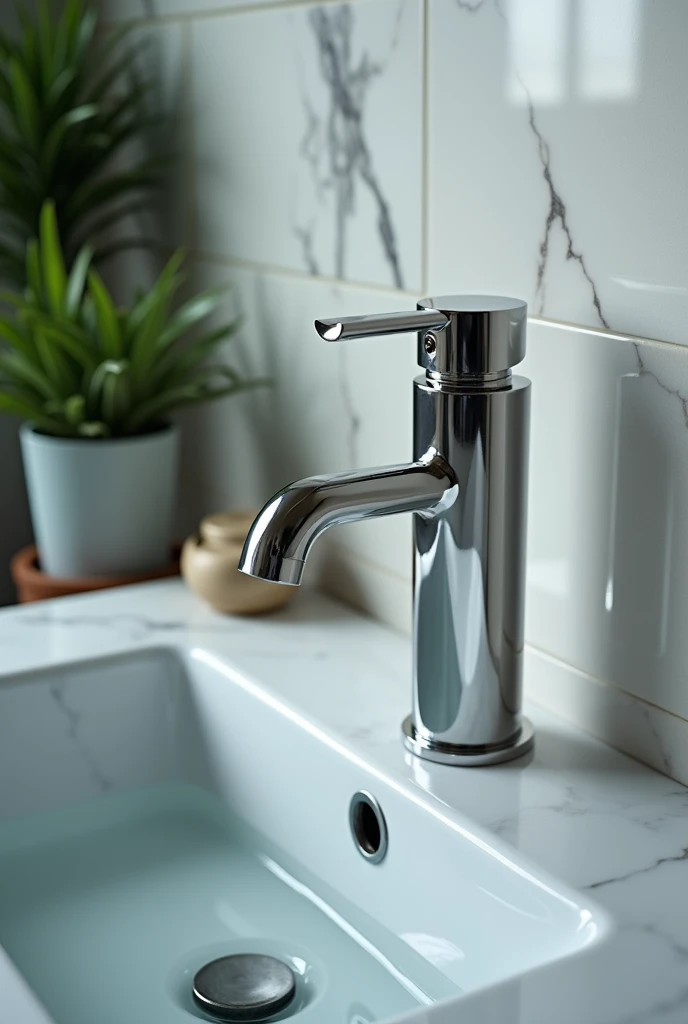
(308, 139)
(164, 222)
(643, 730)
(165, 58)
(331, 408)
(162, 61)
(558, 144)
(607, 583)
(365, 582)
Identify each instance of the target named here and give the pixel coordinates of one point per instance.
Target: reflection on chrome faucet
(467, 485)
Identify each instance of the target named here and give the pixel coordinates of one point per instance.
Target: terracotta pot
(210, 566)
(35, 585)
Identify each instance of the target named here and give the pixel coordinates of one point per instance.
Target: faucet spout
(281, 536)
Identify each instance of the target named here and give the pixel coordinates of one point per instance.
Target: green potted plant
(75, 117)
(96, 386)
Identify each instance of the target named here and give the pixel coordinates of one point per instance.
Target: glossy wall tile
(557, 155)
(607, 545)
(312, 116)
(163, 61)
(164, 218)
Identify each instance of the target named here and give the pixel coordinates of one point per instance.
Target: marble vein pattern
(130, 626)
(353, 418)
(305, 237)
(330, 183)
(682, 856)
(676, 393)
(543, 103)
(589, 816)
(557, 215)
(75, 733)
(350, 163)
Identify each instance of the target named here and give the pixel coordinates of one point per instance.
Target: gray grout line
(273, 270)
(302, 275)
(605, 334)
(220, 12)
(425, 156)
(607, 684)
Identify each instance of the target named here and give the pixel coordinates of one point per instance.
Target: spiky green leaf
(77, 280)
(51, 259)
(106, 315)
(78, 366)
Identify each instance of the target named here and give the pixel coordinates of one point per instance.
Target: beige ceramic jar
(210, 561)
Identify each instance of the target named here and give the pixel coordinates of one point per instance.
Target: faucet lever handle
(471, 335)
(345, 327)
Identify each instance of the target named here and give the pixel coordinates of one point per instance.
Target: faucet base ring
(466, 756)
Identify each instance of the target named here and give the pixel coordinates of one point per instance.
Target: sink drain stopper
(246, 986)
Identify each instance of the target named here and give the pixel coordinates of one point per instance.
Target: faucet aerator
(273, 569)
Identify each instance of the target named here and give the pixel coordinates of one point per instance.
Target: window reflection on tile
(537, 42)
(608, 48)
(641, 527)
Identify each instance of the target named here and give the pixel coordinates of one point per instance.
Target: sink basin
(159, 810)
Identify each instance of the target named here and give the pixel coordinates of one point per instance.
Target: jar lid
(226, 527)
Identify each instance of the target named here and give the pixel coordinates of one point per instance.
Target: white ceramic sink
(126, 784)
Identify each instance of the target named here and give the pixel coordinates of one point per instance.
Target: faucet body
(469, 576)
(467, 488)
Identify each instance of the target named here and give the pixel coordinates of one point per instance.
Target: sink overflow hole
(368, 826)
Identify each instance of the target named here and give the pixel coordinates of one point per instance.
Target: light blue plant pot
(101, 507)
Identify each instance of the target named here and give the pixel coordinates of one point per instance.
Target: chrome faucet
(467, 487)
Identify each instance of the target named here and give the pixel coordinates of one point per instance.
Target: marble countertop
(590, 816)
